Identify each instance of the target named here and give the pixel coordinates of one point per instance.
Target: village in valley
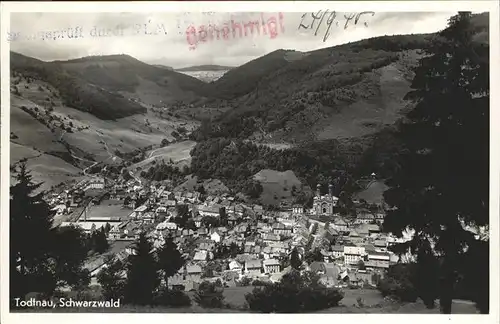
(222, 238)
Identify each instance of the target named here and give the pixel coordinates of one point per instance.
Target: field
(366, 116)
(44, 168)
(212, 186)
(276, 185)
(90, 138)
(373, 193)
(108, 208)
(179, 153)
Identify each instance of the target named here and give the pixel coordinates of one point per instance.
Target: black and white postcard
(249, 158)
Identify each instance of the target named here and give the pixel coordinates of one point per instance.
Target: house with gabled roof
(271, 266)
(270, 237)
(340, 225)
(201, 256)
(253, 267)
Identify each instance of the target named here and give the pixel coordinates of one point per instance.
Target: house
(170, 226)
(139, 212)
(215, 236)
(205, 244)
(201, 256)
(253, 267)
(235, 266)
(378, 260)
(331, 234)
(232, 220)
(282, 229)
(193, 273)
(212, 211)
(340, 225)
(115, 233)
(352, 254)
(202, 231)
(269, 238)
(149, 217)
(380, 245)
(373, 229)
(379, 217)
(271, 266)
(258, 209)
(197, 220)
(364, 216)
(298, 209)
(168, 202)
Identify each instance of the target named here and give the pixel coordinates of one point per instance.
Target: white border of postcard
(258, 6)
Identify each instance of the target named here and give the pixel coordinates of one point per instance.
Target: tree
(446, 139)
(100, 242)
(313, 256)
(142, 276)
(52, 257)
(361, 265)
(201, 189)
(182, 215)
(69, 252)
(30, 217)
(295, 261)
(111, 278)
(170, 260)
(210, 295)
(295, 293)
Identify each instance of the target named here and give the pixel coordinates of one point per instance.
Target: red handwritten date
(331, 17)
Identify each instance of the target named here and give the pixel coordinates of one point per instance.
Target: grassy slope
(243, 79)
(345, 91)
(124, 73)
(34, 139)
(276, 186)
(96, 84)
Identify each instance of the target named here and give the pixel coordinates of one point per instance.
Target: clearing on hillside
(277, 185)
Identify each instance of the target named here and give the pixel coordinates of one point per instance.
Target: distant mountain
(205, 68)
(206, 76)
(164, 67)
(98, 84)
(342, 92)
(243, 79)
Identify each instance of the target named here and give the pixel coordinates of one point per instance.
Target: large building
(325, 205)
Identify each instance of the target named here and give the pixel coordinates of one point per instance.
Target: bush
(174, 298)
(295, 293)
(245, 281)
(260, 283)
(210, 295)
(389, 287)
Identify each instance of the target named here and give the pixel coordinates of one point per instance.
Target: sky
(183, 39)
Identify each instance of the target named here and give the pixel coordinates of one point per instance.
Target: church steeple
(318, 190)
(330, 190)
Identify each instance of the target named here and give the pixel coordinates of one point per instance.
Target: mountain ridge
(208, 67)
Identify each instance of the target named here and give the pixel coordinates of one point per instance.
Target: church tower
(330, 190)
(318, 190)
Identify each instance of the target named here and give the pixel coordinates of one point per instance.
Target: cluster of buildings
(261, 241)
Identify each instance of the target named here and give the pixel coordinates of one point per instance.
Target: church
(325, 205)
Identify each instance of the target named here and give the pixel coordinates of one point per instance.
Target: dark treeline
(318, 162)
(441, 184)
(163, 171)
